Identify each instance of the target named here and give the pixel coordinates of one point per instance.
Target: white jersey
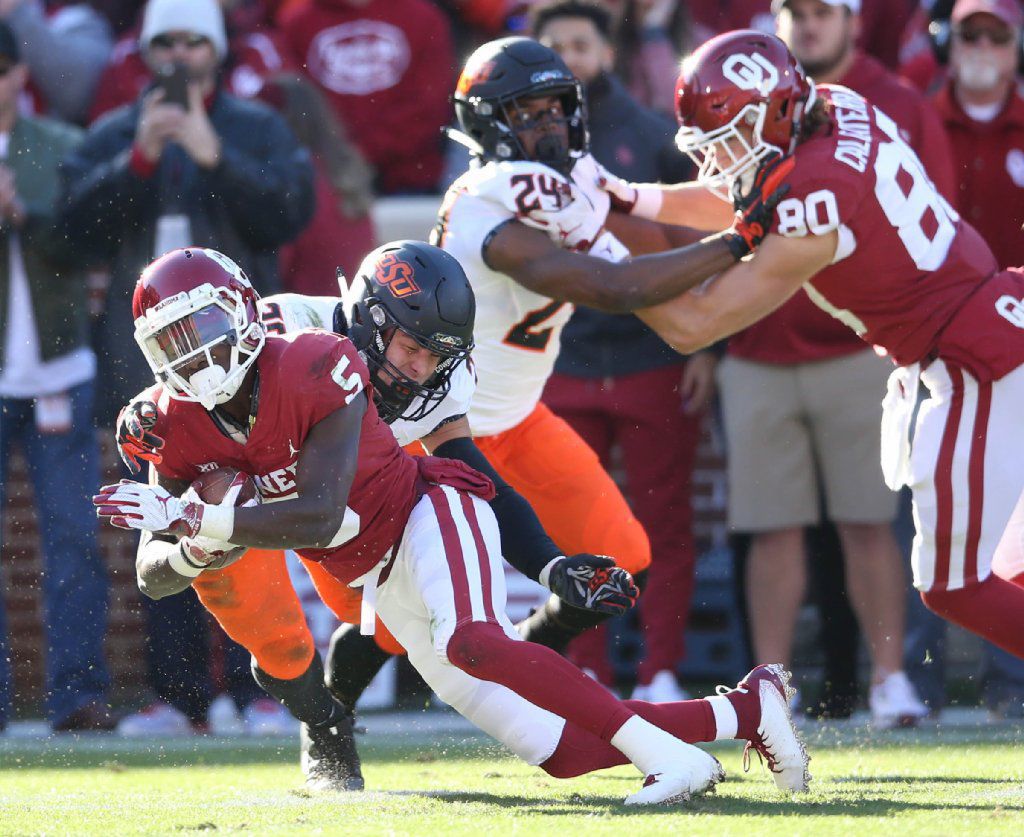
(517, 332)
(284, 313)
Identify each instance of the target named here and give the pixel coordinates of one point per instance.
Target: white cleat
(694, 773)
(894, 703)
(777, 739)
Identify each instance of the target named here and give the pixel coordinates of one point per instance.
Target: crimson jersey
(303, 378)
(909, 274)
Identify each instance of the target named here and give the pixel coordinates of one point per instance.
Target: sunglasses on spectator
(996, 37)
(170, 41)
(6, 68)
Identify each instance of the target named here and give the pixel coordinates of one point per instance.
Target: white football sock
(726, 722)
(647, 746)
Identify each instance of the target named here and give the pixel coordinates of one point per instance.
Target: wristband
(217, 522)
(177, 561)
(544, 576)
(648, 201)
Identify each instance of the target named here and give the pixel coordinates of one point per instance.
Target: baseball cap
(1008, 11)
(852, 5)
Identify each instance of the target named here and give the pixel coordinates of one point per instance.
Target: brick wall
(20, 571)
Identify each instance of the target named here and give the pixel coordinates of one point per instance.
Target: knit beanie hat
(203, 17)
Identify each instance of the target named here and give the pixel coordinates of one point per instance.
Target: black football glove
(134, 439)
(755, 207)
(593, 582)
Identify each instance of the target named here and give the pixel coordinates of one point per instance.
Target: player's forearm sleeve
(524, 543)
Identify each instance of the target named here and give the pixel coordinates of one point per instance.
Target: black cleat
(329, 759)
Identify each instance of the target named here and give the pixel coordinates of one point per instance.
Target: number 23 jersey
(909, 274)
(517, 331)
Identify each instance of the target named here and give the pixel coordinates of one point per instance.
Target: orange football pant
(578, 504)
(256, 605)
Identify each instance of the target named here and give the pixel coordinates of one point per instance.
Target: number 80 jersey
(517, 331)
(906, 263)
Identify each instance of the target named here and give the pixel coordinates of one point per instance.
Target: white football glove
(577, 219)
(135, 505)
(640, 199)
(214, 553)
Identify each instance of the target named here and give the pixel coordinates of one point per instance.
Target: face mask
(978, 72)
(552, 151)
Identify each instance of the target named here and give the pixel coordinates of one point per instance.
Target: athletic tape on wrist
(648, 202)
(218, 522)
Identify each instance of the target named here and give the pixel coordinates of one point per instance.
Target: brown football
(212, 486)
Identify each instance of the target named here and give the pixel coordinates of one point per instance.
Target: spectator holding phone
(209, 169)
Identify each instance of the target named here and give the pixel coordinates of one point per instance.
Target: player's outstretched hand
(134, 439)
(135, 505)
(755, 206)
(593, 582)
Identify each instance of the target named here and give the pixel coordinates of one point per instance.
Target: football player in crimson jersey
(871, 241)
(410, 313)
(415, 533)
(526, 221)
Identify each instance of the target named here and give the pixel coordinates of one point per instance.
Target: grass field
(936, 782)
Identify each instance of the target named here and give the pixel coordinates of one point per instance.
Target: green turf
(957, 782)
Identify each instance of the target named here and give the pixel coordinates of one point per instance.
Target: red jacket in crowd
(388, 69)
(252, 57)
(881, 22)
(332, 240)
(988, 161)
(799, 331)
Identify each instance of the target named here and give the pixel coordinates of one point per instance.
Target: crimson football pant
(643, 414)
(967, 481)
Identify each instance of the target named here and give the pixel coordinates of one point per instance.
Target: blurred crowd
(268, 128)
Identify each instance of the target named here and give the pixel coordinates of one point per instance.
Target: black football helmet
(423, 291)
(499, 74)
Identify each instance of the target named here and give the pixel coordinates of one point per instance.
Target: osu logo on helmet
(397, 275)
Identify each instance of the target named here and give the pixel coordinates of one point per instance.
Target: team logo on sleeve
(751, 72)
(397, 275)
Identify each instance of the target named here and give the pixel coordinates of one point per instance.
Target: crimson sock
(992, 609)
(579, 752)
(540, 675)
(1017, 579)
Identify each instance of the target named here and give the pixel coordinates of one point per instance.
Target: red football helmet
(743, 78)
(186, 303)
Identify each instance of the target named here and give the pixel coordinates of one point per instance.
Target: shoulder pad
(516, 185)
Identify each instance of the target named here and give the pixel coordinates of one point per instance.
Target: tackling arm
(743, 294)
(591, 582)
(534, 261)
(158, 561)
(525, 544)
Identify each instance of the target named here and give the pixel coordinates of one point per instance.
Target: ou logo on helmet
(751, 72)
